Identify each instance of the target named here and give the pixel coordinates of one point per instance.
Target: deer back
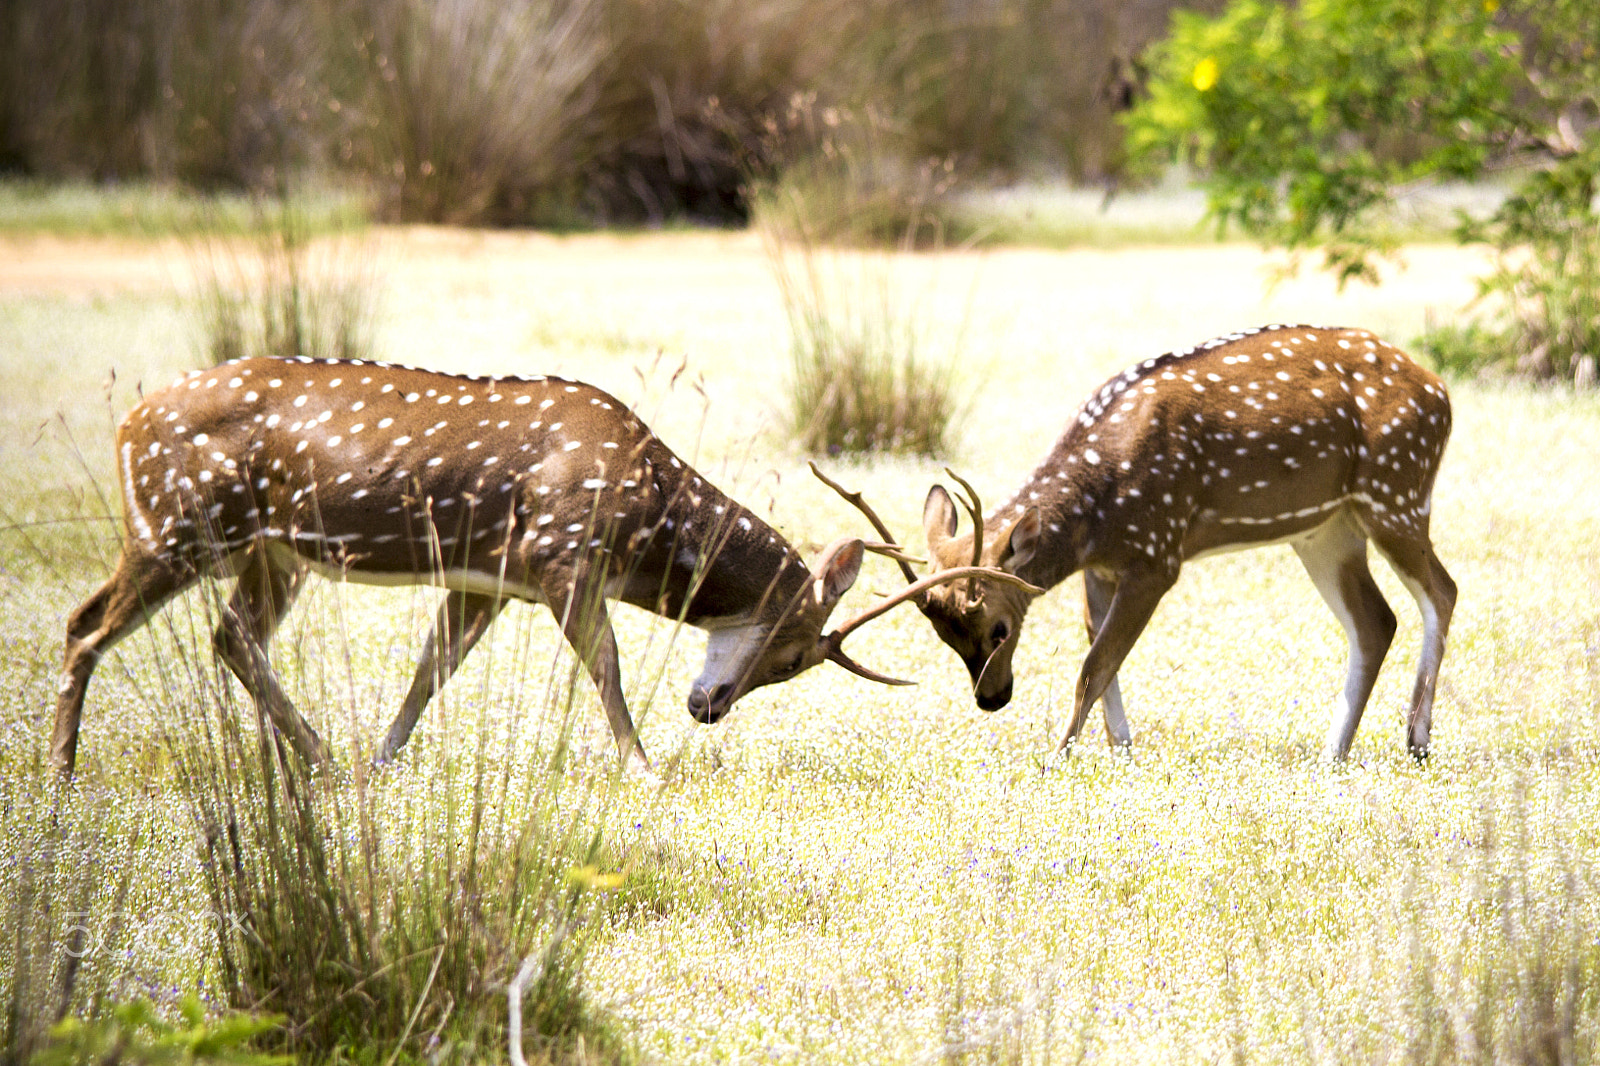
(1247, 439)
(393, 474)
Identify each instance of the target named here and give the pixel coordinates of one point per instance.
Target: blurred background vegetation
(1310, 125)
(554, 112)
(1309, 120)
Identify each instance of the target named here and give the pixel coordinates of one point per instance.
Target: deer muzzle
(709, 705)
(993, 701)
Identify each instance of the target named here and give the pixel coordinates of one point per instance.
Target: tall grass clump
(432, 910)
(838, 221)
(405, 911)
(283, 289)
(863, 378)
(825, 173)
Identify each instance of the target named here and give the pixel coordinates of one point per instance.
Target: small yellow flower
(1491, 6)
(1205, 74)
(590, 877)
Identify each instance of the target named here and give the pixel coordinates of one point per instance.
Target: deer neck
(716, 564)
(1067, 489)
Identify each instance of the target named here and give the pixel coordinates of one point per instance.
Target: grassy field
(843, 873)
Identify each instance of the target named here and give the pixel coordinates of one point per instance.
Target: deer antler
(892, 551)
(836, 655)
(916, 589)
(855, 500)
(835, 639)
(974, 508)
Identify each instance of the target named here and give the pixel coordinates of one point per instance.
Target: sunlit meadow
(846, 873)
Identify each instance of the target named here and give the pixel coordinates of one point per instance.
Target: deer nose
(707, 707)
(996, 700)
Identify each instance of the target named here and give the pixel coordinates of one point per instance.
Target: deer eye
(999, 633)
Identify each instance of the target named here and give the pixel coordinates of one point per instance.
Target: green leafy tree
(1306, 119)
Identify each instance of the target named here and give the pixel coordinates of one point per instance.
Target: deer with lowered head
(537, 489)
(1322, 438)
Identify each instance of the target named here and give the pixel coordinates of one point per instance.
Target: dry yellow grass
(842, 873)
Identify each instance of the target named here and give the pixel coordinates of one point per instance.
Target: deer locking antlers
(553, 492)
(917, 589)
(1321, 437)
(496, 489)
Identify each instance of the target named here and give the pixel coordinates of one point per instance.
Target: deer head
(979, 619)
(789, 641)
(973, 597)
(740, 659)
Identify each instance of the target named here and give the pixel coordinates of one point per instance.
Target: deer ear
(836, 571)
(938, 517)
(1020, 541)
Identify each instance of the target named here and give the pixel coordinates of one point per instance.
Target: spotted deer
(536, 489)
(1323, 438)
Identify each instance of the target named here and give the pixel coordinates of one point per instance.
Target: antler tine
(836, 655)
(975, 509)
(892, 551)
(917, 588)
(855, 500)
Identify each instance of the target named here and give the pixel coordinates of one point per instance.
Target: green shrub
(1546, 325)
(135, 1034)
(1467, 348)
(1548, 278)
(1309, 118)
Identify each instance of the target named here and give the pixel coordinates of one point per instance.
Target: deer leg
(1425, 577)
(138, 586)
(1097, 593)
(259, 601)
(1335, 555)
(463, 619)
(581, 609)
(1132, 604)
